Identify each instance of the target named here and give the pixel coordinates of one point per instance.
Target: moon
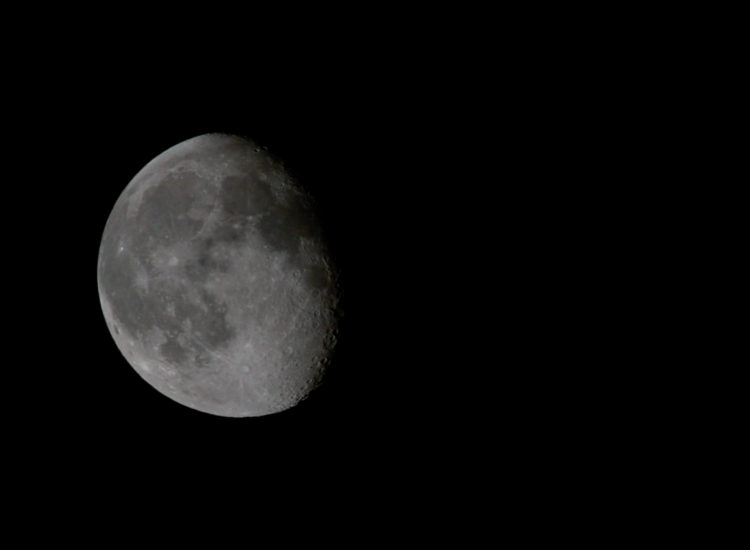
(216, 280)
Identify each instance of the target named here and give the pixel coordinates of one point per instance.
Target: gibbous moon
(216, 281)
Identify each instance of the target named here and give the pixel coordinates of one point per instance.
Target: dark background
(470, 171)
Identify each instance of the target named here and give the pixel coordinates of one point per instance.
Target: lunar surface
(216, 281)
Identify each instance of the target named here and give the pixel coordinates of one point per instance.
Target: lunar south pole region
(216, 281)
